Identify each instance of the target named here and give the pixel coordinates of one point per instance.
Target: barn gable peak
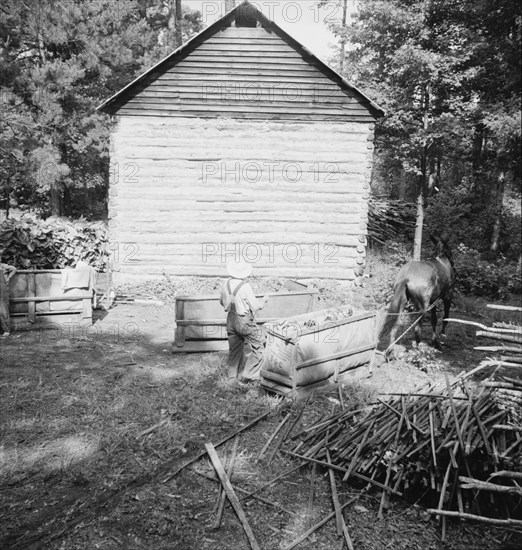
(248, 19)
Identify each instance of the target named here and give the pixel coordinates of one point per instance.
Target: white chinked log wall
(188, 193)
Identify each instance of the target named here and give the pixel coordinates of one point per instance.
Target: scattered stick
(224, 440)
(229, 490)
(271, 482)
(470, 483)
(506, 308)
(335, 497)
(286, 433)
(264, 500)
(507, 349)
(475, 517)
(339, 469)
(514, 338)
(311, 497)
(222, 495)
(342, 529)
(152, 428)
(313, 529)
(271, 438)
(502, 331)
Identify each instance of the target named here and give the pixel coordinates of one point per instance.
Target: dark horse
(423, 283)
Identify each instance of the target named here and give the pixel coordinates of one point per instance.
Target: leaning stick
(474, 517)
(272, 481)
(244, 491)
(311, 496)
(513, 337)
(339, 469)
(305, 535)
(335, 497)
(507, 349)
(229, 490)
(224, 440)
(470, 483)
(506, 308)
(271, 438)
(502, 331)
(222, 496)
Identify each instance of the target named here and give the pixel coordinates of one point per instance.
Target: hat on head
(239, 269)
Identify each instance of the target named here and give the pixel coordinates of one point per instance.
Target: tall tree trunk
(56, 198)
(66, 200)
(343, 39)
(423, 180)
(178, 33)
(499, 203)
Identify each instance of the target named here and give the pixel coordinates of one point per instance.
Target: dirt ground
(94, 420)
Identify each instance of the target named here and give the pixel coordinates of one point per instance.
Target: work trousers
(246, 342)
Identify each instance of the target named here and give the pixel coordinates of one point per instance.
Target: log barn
(241, 143)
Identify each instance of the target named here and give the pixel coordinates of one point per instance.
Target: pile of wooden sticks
(460, 448)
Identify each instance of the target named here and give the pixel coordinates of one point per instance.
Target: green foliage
(456, 210)
(59, 59)
(32, 243)
(478, 277)
(448, 75)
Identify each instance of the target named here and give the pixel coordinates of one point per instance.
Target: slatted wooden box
(201, 320)
(308, 351)
(36, 297)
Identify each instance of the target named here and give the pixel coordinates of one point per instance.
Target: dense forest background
(59, 60)
(447, 72)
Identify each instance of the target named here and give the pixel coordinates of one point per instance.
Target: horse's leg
(434, 325)
(420, 306)
(447, 304)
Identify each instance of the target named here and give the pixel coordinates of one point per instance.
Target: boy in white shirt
(245, 337)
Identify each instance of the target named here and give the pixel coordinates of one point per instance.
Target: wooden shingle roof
(255, 73)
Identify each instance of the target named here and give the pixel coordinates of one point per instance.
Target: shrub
(478, 277)
(33, 243)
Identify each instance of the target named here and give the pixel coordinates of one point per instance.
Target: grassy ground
(93, 422)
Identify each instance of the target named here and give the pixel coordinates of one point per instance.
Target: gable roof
(111, 105)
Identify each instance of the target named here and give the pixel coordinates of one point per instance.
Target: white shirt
(245, 299)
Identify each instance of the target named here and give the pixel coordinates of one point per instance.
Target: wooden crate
(36, 297)
(201, 320)
(298, 360)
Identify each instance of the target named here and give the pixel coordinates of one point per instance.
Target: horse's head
(442, 247)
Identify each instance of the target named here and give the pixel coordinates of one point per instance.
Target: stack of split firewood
(458, 447)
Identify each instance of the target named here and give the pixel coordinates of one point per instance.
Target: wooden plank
(334, 356)
(192, 346)
(232, 238)
(31, 311)
(87, 308)
(234, 53)
(222, 496)
(289, 216)
(232, 102)
(250, 129)
(134, 111)
(68, 298)
(234, 501)
(224, 105)
(142, 272)
(244, 207)
(283, 380)
(179, 339)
